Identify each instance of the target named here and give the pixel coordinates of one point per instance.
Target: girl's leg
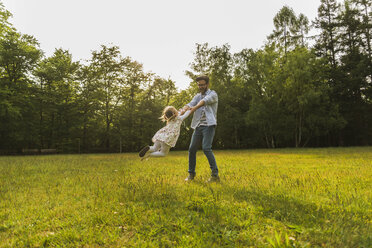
(155, 147)
(162, 152)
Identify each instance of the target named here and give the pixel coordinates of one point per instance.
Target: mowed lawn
(266, 198)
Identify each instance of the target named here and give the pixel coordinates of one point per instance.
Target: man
(204, 123)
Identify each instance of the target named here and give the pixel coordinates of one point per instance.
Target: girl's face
(171, 112)
(175, 112)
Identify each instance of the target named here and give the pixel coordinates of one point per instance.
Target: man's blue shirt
(210, 108)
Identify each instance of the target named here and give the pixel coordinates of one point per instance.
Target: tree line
(297, 90)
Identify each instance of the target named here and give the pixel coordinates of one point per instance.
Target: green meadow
(266, 198)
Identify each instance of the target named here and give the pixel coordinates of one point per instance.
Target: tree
(135, 80)
(286, 26)
(302, 27)
(365, 13)
(305, 94)
(107, 66)
(327, 41)
(57, 94)
(5, 25)
(19, 55)
(264, 116)
(88, 102)
(353, 86)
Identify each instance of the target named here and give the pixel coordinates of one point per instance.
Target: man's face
(203, 86)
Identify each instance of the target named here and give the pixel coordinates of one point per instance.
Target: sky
(160, 34)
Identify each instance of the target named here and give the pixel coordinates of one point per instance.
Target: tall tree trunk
(85, 132)
(296, 132)
(236, 137)
(332, 45)
(107, 138)
(368, 35)
(41, 123)
(51, 135)
(300, 130)
(107, 83)
(131, 129)
(267, 141)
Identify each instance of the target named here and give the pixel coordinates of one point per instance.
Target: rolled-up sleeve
(211, 98)
(194, 101)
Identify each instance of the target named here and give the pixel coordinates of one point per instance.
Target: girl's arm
(185, 115)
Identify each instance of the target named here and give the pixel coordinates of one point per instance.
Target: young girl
(167, 136)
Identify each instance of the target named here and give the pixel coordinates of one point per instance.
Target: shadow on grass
(331, 222)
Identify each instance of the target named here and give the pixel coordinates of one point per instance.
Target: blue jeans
(203, 135)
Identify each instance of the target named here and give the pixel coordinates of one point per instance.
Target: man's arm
(184, 109)
(211, 98)
(200, 104)
(189, 105)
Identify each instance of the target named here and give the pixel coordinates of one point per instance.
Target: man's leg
(193, 148)
(208, 135)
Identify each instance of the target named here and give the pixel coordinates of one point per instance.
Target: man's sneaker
(213, 179)
(190, 178)
(143, 151)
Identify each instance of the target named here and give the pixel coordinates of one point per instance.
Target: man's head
(203, 83)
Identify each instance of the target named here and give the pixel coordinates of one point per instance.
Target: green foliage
(347, 29)
(306, 96)
(290, 30)
(284, 94)
(5, 25)
(19, 55)
(327, 23)
(57, 95)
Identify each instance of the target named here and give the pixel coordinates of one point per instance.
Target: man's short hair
(203, 77)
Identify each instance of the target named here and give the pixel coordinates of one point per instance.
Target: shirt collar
(207, 92)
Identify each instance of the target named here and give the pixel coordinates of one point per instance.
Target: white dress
(169, 134)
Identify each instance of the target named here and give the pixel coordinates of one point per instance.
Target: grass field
(266, 198)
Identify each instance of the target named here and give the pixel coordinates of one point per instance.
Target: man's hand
(201, 103)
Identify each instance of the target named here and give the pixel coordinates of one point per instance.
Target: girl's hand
(183, 110)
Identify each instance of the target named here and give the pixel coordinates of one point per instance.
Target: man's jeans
(204, 135)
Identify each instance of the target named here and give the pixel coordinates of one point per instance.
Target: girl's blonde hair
(169, 113)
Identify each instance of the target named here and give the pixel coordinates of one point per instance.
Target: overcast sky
(160, 34)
